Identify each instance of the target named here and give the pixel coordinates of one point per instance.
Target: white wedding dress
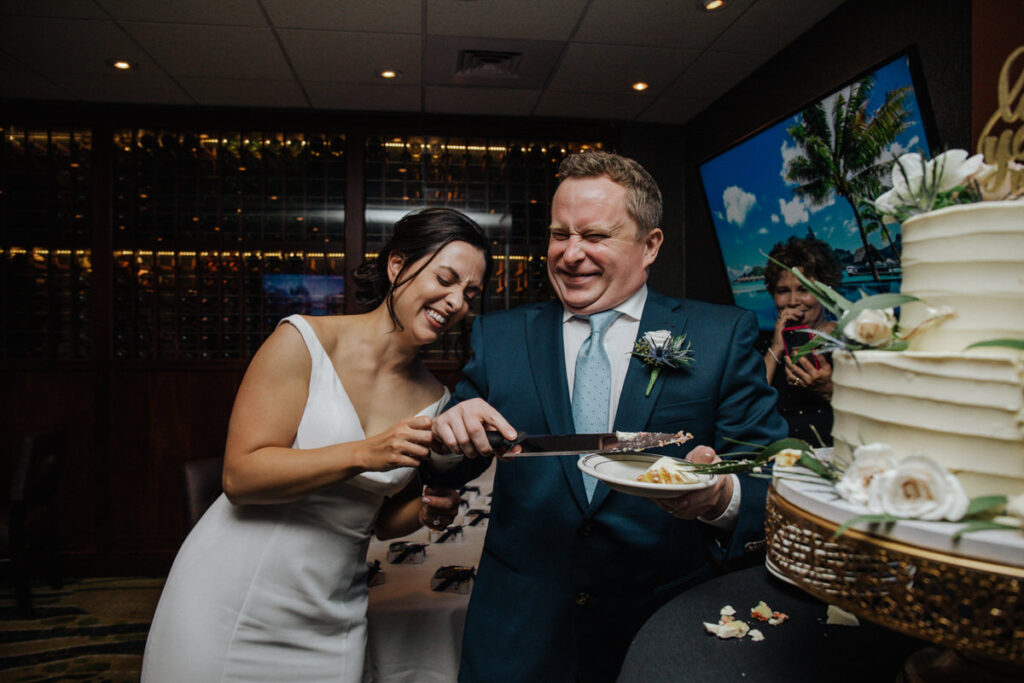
(278, 592)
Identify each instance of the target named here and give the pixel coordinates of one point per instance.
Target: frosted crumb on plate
(840, 617)
(729, 626)
(731, 629)
(762, 612)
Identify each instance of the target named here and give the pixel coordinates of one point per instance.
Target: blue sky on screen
(753, 205)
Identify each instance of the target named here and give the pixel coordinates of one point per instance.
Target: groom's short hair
(643, 198)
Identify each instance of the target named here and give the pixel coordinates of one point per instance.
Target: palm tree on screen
(841, 151)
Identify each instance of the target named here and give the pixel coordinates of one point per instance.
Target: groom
(570, 569)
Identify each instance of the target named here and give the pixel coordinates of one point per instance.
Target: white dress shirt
(618, 340)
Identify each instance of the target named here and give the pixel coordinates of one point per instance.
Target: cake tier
(1005, 547)
(965, 410)
(969, 258)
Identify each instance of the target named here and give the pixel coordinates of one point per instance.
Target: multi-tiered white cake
(963, 408)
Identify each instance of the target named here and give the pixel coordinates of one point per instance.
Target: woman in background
(330, 422)
(804, 386)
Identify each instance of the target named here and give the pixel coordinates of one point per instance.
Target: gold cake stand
(974, 608)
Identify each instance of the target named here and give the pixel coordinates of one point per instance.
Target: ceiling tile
(115, 87)
(84, 45)
(220, 12)
(25, 85)
(713, 74)
(770, 25)
(656, 23)
(675, 110)
(363, 97)
(614, 69)
(382, 16)
(219, 51)
(67, 9)
(351, 57)
(244, 92)
(525, 19)
(591, 105)
(481, 101)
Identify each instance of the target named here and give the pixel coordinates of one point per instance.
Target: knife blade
(579, 444)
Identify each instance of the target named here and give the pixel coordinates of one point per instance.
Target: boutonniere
(659, 349)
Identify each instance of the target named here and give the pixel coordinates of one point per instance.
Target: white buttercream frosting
(963, 408)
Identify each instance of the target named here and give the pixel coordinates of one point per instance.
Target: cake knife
(579, 444)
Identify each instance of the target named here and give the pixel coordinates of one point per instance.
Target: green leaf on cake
(814, 465)
(980, 525)
(1005, 343)
(984, 504)
(881, 301)
(808, 348)
(883, 518)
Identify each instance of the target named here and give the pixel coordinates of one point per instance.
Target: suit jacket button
(582, 599)
(587, 529)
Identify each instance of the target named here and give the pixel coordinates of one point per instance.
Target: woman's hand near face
(787, 317)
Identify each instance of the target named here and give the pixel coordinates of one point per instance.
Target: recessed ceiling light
(121, 64)
(710, 5)
(640, 85)
(389, 73)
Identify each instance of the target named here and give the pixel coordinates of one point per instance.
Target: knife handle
(497, 441)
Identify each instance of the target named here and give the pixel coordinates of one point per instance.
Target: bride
(329, 424)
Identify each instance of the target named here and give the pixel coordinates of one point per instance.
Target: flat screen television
(286, 293)
(754, 202)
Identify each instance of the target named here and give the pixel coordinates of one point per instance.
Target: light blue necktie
(592, 385)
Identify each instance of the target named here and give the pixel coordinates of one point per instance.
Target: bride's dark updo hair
(420, 233)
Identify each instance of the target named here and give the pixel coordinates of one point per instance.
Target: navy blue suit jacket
(563, 585)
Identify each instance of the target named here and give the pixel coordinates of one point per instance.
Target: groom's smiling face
(595, 260)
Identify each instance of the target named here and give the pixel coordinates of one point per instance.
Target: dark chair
(202, 486)
(29, 534)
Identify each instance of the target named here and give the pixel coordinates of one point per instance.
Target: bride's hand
(404, 444)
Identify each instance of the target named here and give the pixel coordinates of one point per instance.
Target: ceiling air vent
(488, 64)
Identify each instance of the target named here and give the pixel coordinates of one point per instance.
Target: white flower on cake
(787, 457)
(917, 185)
(872, 327)
(869, 461)
(917, 488)
(1015, 506)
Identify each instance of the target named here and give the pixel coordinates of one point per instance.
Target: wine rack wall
(216, 235)
(45, 243)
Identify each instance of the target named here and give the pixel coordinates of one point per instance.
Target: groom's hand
(709, 503)
(463, 428)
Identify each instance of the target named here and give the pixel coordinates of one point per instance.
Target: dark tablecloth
(674, 646)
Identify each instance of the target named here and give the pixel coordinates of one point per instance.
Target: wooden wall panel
(38, 400)
(160, 420)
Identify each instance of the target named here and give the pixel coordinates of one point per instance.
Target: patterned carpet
(89, 630)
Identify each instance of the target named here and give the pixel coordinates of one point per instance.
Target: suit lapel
(634, 411)
(546, 351)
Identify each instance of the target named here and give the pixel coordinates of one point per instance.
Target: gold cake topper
(1008, 146)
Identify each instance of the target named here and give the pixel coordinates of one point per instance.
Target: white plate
(620, 472)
